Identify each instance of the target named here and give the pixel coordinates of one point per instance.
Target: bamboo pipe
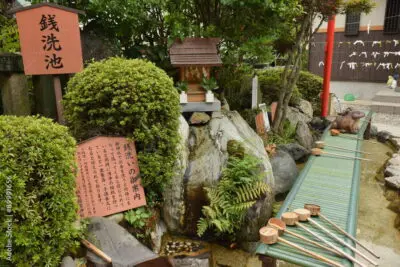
(280, 225)
(305, 215)
(291, 218)
(321, 145)
(335, 132)
(269, 235)
(96, 250)
(315, 210)
(319, 152)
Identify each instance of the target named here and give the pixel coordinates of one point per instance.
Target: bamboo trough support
(315, 210)
(269, 235)
(305, 215)
(96, 250)
(292, 219)
(319, 152)
(335, 132)
(281, 227)
(321, 145)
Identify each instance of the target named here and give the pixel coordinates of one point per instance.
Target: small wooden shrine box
(195, 57)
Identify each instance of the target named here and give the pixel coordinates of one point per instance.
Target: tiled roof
(195, 51)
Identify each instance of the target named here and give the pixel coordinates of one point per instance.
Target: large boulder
(298, 152)
(203, 155)
(305, 107)
(285, 171)
(304, 135)
(393, 181)
(294, 115)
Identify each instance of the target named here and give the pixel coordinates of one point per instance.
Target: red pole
(330, 36)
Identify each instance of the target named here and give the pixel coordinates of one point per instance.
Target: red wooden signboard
(50, 39)
(108, 178)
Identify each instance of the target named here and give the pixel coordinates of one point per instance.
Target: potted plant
(209, 85)
(182, 87)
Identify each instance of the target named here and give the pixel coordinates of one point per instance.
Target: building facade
(366, 48)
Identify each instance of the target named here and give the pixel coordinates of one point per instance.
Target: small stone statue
(348, 121)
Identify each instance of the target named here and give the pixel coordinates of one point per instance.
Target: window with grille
(352, 23)
(392, 17)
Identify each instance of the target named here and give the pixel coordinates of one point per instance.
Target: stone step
(386, 107)
(387, 95)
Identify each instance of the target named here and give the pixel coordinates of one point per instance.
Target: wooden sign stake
(270, 236)
(291, 218)
(307, 215)
(58, 94)
(316, 211)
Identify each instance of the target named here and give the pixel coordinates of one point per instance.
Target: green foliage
(310, 87)
(209, 84)
(287, 136)
(182, 86)
(235, 149)
(36, 174)
(130, 98)
(9, 37)
(240, 187)
(137, 217)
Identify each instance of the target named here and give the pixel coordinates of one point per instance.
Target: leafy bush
(9, 37)
(36, 175)
(240, 187)
(130, 98)
(308, 87)
(137, 217)
(287, 136)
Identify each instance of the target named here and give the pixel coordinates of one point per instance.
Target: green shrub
(308, 87)
(38, 189)
(240, 187)
(131, 98)
(287, 136)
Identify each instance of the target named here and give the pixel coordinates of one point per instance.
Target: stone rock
(395, 160)
(392, 171)
(117, 218)
(201, 163)
(319, 124)
(304, 135)
(395, 205)
(373, 131)
(15, 94)
(294, 115)
(190, 262)
(174, 204)
(156, 236)
(298, 152)
(124, 249)
(285, 171)
(393, 181)
(305, 107)
(68, 262)
(383, 136)
(199, 118)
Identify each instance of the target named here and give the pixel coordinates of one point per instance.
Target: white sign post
(254, 92)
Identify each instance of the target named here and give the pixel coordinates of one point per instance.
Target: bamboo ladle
(315, 210)
(269, 235)
(292, 219)
(335, 132)
(280, 225)
(96, 250)
(321, 145)
(319, 152)
(305, 215)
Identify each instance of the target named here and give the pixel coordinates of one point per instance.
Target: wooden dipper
(292, 218)
(269, 235)
(305, 215)
(335, 132)
(96, 250)
(319, 152)
(315, 210)
(322, 145)
(280, 225)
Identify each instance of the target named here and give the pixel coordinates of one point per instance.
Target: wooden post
(254, 92)
(58, 94)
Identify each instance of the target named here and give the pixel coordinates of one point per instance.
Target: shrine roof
(195, 51)
(68, 9)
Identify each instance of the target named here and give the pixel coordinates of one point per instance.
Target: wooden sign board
(50, 39)
(108, 178)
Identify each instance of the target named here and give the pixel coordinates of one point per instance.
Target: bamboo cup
(319, 152)
(96, 250)
(322, 145)
(292, 219)
(269, 235)
(335, 132)
(305, 215)
(315, 210)
(280, 225)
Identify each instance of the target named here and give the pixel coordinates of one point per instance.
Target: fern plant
(238, 190)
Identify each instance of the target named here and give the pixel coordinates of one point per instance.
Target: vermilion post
(328, 65)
